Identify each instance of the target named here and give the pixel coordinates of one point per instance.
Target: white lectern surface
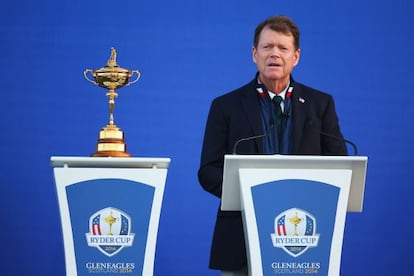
(232, 164)
(112, 162)
(110, 209)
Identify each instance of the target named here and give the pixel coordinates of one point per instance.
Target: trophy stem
(111, 95)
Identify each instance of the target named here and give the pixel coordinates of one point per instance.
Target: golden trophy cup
(111, 142)
(110, 220)
(295, 221)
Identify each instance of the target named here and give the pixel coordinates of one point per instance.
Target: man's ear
(254, 51)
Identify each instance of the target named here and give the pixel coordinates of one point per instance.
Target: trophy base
(111, 154)
(111, 143)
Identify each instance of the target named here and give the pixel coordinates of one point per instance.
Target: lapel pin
(302, 100)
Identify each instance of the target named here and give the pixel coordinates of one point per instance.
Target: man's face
(275, 55)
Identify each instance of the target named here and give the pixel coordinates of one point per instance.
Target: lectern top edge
(106, 162)
(296, 157)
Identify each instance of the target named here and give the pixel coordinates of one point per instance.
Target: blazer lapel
(252, 108)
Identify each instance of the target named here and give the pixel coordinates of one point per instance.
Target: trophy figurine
(111, 141)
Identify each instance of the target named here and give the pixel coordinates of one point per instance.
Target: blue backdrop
(190, 52)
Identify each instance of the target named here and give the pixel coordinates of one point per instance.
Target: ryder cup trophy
(111, 141)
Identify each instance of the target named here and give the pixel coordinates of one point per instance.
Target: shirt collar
(272, 94)
(281, 94)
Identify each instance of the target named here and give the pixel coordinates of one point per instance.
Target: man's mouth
(274, 65)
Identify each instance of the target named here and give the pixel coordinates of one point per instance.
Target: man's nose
(275, 52)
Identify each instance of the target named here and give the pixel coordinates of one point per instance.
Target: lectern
(110, 209)
(294, 209)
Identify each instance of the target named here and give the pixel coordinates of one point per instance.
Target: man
(291, 118)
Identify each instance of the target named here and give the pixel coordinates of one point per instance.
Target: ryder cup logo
(295, 232)
(110, 231)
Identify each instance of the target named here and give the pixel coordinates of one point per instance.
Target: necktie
(277, 100)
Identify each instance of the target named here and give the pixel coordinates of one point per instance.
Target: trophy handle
(85, 74)
(138, 73)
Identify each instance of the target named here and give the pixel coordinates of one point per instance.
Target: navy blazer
(237, 115)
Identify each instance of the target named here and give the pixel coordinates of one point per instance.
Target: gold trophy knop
(111, 141)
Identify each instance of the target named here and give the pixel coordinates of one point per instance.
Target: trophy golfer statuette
(111, 141)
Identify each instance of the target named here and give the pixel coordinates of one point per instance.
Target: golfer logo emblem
(295, 232)
(110, 231)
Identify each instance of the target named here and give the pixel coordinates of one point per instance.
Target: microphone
(271, 125)
(285, 116)
(343, 140)
(246, 139)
